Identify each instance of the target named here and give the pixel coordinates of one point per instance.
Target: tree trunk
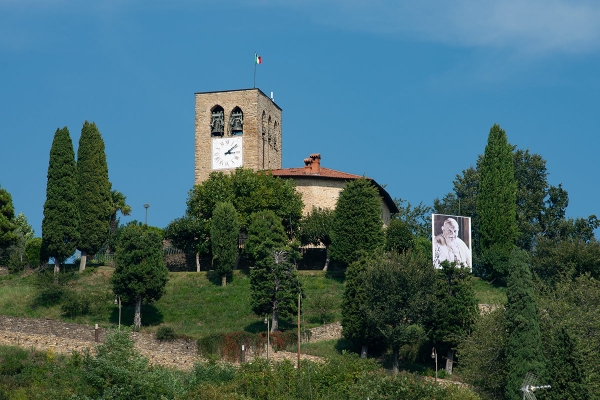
(326, 259)
(364, 351)
(83, 261)
(449, 361)
(56, 269)
(197, 262)
(395, 360)
(224, 280)
(275, 321)
(137, 319)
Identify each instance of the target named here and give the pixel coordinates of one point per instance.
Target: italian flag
(257, 59)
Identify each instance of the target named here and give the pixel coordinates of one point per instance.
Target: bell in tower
(236, 122)
(217, 122)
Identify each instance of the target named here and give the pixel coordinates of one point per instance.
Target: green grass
(195, 304)
(487, 293)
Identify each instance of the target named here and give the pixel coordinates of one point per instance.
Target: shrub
(165, 333)
(75, 304)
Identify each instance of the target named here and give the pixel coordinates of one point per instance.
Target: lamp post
(118, 301)
(268, 334)
(434, 355)
(146, 207)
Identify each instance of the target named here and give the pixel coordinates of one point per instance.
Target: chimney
(312, 165)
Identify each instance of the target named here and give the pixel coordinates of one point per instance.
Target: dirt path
(63, 337)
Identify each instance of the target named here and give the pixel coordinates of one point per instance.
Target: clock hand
(229, 151)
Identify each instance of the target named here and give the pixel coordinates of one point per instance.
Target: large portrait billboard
(451, 239)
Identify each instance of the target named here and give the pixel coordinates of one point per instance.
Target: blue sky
(404, 92)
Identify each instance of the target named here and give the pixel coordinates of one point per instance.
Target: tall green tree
(566, 369)
(455, 309)
(274, 282)
(224, 233)
(496, 204)
(93, 192)
(398, 236)
(315, 229)
(524, 344)
(118, 205)
(418, 217)
(60, 226)
(8, 226)
(399, 301)
(140, 272)
(191, 235)
(357, 224)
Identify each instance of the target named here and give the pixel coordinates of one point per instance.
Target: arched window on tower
(217, 121)
(269, 130)
(275, 135)
(236, 122)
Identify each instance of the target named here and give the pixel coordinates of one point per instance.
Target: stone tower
(236, 128)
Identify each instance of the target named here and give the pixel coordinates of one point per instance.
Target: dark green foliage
(398, 237)
(315, 229)
(118, 204)
(189, 234)
(93, 191)
(140, 272)
(524, 344)
(565, 369)
(481, 355)
(455, 310)
(249, 192)
(60, 226)
(8, 224)
(224, 233)
(357, 223)
(33, 248)
(273, 278)
(399, 301)
(496, 203)
(553, 260)
(75, 303)
(165, 333)
(355, 324)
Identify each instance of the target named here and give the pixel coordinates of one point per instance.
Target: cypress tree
(357, 224)
(224, 233)
(496, 204)
(60, 232)
(524, 345)
(7, 224)
(93, 191)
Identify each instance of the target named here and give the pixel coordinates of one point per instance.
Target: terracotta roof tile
(324, 173)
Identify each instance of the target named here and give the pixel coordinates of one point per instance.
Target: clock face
(227, 153)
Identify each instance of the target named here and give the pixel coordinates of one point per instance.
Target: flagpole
(254, 70)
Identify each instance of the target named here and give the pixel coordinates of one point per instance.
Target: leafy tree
(33, 249)
(496, 203)
(565, 369)
(7, 220)
(224, 233)
(524, 344)
(93, 192)
(140, 273)
(249, 192)
(315, 229)
(554, 261)
(482, 354)
(398, 237)
(23, 227)
(60, 226)
(418, 217)
(357, 224)
(191, 235)
(356, 327)
(273, 279)
(399, 301)
(455, 309)
(118, 205)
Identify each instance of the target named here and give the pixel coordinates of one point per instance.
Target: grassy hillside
(195, 304)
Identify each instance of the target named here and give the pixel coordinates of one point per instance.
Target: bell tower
(236, 128)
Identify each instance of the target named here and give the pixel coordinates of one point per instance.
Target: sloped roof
(332, 174)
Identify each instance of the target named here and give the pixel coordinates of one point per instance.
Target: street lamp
(434, 355)
(146, 207)
(118, 301)
(268, 334)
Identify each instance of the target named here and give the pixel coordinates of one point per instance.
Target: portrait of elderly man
(448, 246)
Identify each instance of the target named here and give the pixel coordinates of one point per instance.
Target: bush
(15, 263)
(33, 248)
(75, 304)
(165, 333)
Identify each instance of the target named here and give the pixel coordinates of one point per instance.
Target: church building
(238, 128)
